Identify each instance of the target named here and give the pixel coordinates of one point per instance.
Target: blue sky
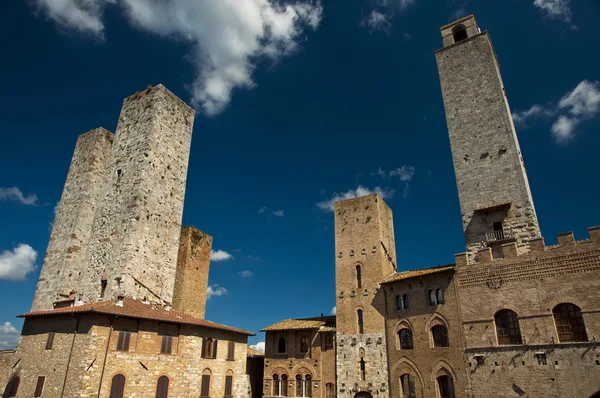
(296, 106)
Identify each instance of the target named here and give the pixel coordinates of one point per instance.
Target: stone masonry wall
(5, 366)
(364, 236)
(486, 154)
(425, 362)
(532, 285)
(69, 242)
(191, 280)
(94, 357)
(135, 236)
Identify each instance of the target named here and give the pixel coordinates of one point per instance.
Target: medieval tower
(118, 225)
(365, 255)
(495, 199)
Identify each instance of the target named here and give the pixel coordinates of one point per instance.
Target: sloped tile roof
(302, 324)
(399, 276)
(136, 309)
(255, 353)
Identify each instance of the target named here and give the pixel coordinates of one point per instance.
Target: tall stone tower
(365, 255)
(495, 199)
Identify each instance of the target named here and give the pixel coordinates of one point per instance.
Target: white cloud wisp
(327, 205)
(9, 336)
(555, 9)
(17, 263)
(260, 346)
(215, 290)
(15, 194)
(220, 255)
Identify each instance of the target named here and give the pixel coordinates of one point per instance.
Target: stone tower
(365, 255)
(495, 199)
(72, 228)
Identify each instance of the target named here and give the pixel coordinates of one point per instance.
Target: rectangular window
(166, 346)
(327, 341)
(205, 386)
(123, 340)
(50, 340)
(39, 387)
(230, 351)
(329, 390)
(209, 348)
(541, 358)
(228, 386)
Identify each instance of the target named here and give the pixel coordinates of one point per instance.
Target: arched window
(205, 386)
(363, 369)
(329, 390)
(460, 33)
(229, 384)
(276, 385)
(303, 344)
(281, 345)
(569, 323)
(308, 386)
(14, 388)
(507, 327)
(284, 385)
(360, 321)
(436, 296)
(162, 387)
(440, 336)
(407, 382)
(445, 386)
(358, 277)
(406, 339)
(299, 386)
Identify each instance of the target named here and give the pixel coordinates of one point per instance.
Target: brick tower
(495, 199)
(365, 255)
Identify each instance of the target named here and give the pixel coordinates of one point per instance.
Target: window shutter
(203, 348)
(205, 385)
(163, 345)
(126, 340)
(169, 344)
(228, 386)
(117, 386)
(39, 387)
(214, 348)
(162, 388)
(14, 387)
(120, 341)
(230, 350)
(50, 341)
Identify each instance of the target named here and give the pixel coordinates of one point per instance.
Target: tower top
(459, 30)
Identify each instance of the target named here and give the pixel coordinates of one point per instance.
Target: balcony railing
(503, 234)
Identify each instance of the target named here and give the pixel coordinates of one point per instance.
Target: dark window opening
(497, 226)
(303, 344)
(446, 386)
(436, 296)
(541, 358)
(440, 336)
(408, 386)
(123, 340)
(205, 387)
(360, 322)
(569, 323)
(402, 302)
(39, 387)
(14, 387)
(329, 390)
(50, 340)
(460, 34)
(308, 386)
(507, 327)
(103, 284)
(228, 386)
(117, 387)
(406, 339)
(231, 351)
(299, 386)
(281, 345)
(363, 371)
(166, 345)
(284, 385)
(328, 345)
(209, 348)
(358, 277)
(276, 386)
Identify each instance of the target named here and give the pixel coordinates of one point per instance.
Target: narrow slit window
(230, 351)
(50, 341)
(229, 386)
(358, 277)
(166, 345)
(39, 387)
(360, 322)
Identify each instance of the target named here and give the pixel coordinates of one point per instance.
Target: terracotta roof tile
(302, 324)
(136, 309)
(254, 353)
(399, 276)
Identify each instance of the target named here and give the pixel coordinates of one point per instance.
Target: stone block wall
(191, 279)
(135, 234)
(71, 231)
(490, 173)
(6, 357)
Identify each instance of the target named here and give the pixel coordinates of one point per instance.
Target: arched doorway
(363, 394)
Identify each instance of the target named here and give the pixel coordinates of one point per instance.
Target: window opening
(303, 344)
(358, 277)
(406, 339)
(363, 372)
(281, 345)
(360, 322)
(446, 386)
(460, 34)
(569, 323)
(39, 387)
(205, 387)
(231, 351)
(229, 386)
(162, 387)
(440, 336)
(507, 327)
(117, 387)
(166, 345)
(14, 387)
(50, 341)
(123, 340)
(408, 386)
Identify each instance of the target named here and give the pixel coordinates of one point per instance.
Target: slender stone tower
(495, 199)
(365, 255)
(136, 229)
(69, 242)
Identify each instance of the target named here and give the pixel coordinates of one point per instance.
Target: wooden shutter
(39, 387)
(228, 386)
(50, 341)
(230, 350)
(170, 344)
(203, 348)
(126, 341)
(162, 387)
(205, 385)
(167, 345)
(117, 386)
(120, 341)
(14, 387)
(214, 348)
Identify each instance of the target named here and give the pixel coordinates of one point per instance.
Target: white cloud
(555, 9)
(327, 205)
(15, 194)
(522, 117)
(227, 38)
(333, 311)
(405, 173)
(254, 258)
(260, 346)
(245, 274)
(583, 101)
(215, 290)
(219, 255)
(9, 336)
(278, 213)
(377, 20)
(17, 263)
(262, 210)
(563, 129)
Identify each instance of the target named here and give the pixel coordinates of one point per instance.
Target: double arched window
(117, 387)
(440, 336)
(303, 385)
(569, 323)
(406, 339)
(280, 385)
(507, 327)
(402, 302)
(436, 296)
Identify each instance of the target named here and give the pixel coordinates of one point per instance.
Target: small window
(569, 323)
(460, 34)
(299, 386)
(303, 344)
(162, 387)
(205, 386)
(329, 390)
(276, 390)
(405, 301)
(281, 345)
(284, 385)
(446, 387)
(408, 386)
(103, 284)
(209, 348)
(123, 340)
(436, 296)
(327, 341)
(402, 302)
(440, 336)
(230, 351)
(39, 387)
(358, 277)
(229, 386)
(308, 386)
(117, 387)
(14, 387)
(50, 340)
(360, 322)
(507, 327)
(406, 339)
(541, 358)
(166, 345)
(497, 226)
(363, 370)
